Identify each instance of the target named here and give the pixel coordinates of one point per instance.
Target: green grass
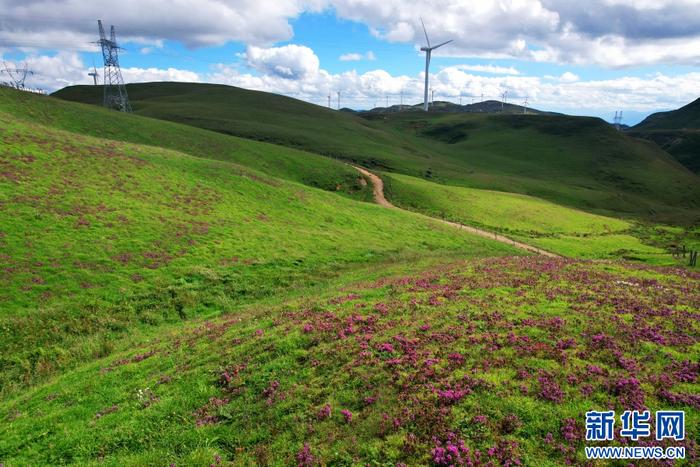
(102, 236)
(677, 132)
(176, 295)
(281, 162)
(687, 117)
(683, 145)
(537, 342)
(574, 161)
(556, 228)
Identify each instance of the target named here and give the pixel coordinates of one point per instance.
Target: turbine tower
(115, 96)
(93, 73)
(428, 51)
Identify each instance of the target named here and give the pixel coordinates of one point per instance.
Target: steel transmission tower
(17, 75)
(618, 119)
(115, 96)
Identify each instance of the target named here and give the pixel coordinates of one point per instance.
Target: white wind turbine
(428, 51)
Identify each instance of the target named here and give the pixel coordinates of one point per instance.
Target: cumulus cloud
(294, 71)
(568, 91)
(613, 33)
(568, 77)
(51, 23)
(350, 57)
(356, 57)
(52, 72)
(144, 75)
(288, 62)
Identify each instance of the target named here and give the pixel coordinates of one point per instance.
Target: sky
(590, 57)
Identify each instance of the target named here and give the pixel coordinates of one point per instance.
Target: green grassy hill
(573, 161)
(101, 237)
(494, 360)
(173, 295)
(687, 117)
(489, 106)
(677, 132)
(282, 162)
(565, 231)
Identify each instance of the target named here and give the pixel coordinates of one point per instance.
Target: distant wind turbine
(94, 74)
(428, 51)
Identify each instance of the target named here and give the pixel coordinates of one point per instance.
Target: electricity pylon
(115, 96)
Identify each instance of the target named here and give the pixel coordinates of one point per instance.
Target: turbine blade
(440, 45)
(425, 32)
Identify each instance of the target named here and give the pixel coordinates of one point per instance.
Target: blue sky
(586, 58)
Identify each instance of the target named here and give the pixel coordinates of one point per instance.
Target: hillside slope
(492, 361)
(677, 132)
(102, 238)
(573, 161)
(174, 306)
(299, 166)
(687, 117)
(578, 162)
(555, 228)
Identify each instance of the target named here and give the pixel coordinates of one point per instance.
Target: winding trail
(379, 198)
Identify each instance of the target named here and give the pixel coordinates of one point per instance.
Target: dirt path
(378, 191)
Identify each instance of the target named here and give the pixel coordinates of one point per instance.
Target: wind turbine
(93, 73)
(428, 51)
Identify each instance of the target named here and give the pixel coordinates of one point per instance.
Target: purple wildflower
(304, 456)
(324, 412)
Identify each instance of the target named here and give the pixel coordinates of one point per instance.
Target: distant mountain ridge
(687, 117)
(676, 132)
(489, 106)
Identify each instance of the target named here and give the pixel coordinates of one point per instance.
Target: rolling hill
(103, 237)
(489, 106)
(677, 132)
(573, 161)
(171, 295)
(687, 117)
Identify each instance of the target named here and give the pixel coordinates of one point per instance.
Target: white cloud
(295, 71)
(567, 91)
(350, 57)
(67, 68)
(612, 33)
(356, 57)
(492, 69)
(47, 23)
(289, 61)
(568, 77)
(144, 75)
